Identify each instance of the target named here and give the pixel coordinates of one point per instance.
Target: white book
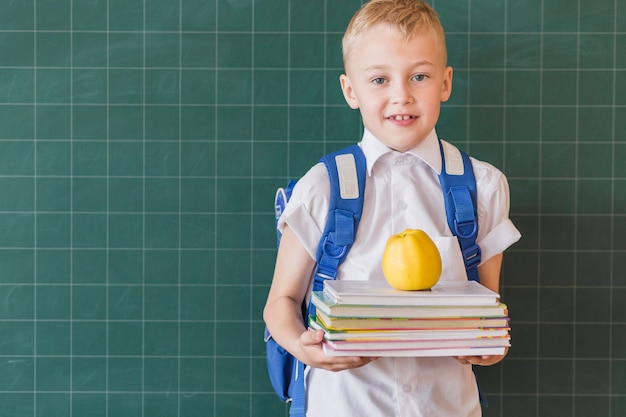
(445, 293)
(332, 308)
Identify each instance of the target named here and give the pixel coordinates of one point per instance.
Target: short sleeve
(496, 231)
(307, 208)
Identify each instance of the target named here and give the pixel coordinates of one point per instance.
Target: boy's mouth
(399, 117)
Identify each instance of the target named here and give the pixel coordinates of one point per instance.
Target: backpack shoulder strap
(347, 172)
(459, 190)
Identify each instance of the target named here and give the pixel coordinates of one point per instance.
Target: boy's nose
(401, 94)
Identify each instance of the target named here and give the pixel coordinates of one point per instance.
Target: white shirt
(402, 191)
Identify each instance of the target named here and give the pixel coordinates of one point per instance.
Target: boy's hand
(311, 348)
(486, 360)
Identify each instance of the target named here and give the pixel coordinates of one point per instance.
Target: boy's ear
(446, 87)
(348, 91)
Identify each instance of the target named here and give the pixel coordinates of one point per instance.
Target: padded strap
(347, 172)
(459, 192)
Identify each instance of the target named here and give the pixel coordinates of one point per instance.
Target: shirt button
(399, 160)
(407, 388)
(402, 205)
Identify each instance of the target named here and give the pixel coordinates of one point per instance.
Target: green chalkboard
(141, 142)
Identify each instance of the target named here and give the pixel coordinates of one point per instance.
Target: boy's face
(397, 85)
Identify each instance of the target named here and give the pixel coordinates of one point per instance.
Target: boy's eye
(378, 81)
(419, 77)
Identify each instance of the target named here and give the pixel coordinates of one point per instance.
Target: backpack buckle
(471, 256)
(333, 250)
(465, 230)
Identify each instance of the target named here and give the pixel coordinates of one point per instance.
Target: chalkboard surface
(141, 142)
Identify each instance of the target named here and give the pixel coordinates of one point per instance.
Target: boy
(396, 74)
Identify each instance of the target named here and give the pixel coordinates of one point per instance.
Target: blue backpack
(347, 172)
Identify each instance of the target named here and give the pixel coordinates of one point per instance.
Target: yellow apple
(411, 261)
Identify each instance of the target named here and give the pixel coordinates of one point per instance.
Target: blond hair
(407, 16)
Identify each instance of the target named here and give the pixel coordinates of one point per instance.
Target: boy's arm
(292, 276)
(489, 273)
(283, 314)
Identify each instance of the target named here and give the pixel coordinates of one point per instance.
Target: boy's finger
(313, 337)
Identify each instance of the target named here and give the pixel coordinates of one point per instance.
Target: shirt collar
(427, 150)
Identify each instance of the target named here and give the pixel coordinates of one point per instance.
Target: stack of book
(454, 318)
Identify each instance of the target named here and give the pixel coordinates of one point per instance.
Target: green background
(141, 142)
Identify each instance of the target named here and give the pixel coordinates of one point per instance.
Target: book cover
(385, 323)
(445, 293)
(330, 307)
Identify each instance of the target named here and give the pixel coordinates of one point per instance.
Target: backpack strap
(459, 191)
(347, 171)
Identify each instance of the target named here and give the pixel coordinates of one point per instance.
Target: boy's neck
(427, 150)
